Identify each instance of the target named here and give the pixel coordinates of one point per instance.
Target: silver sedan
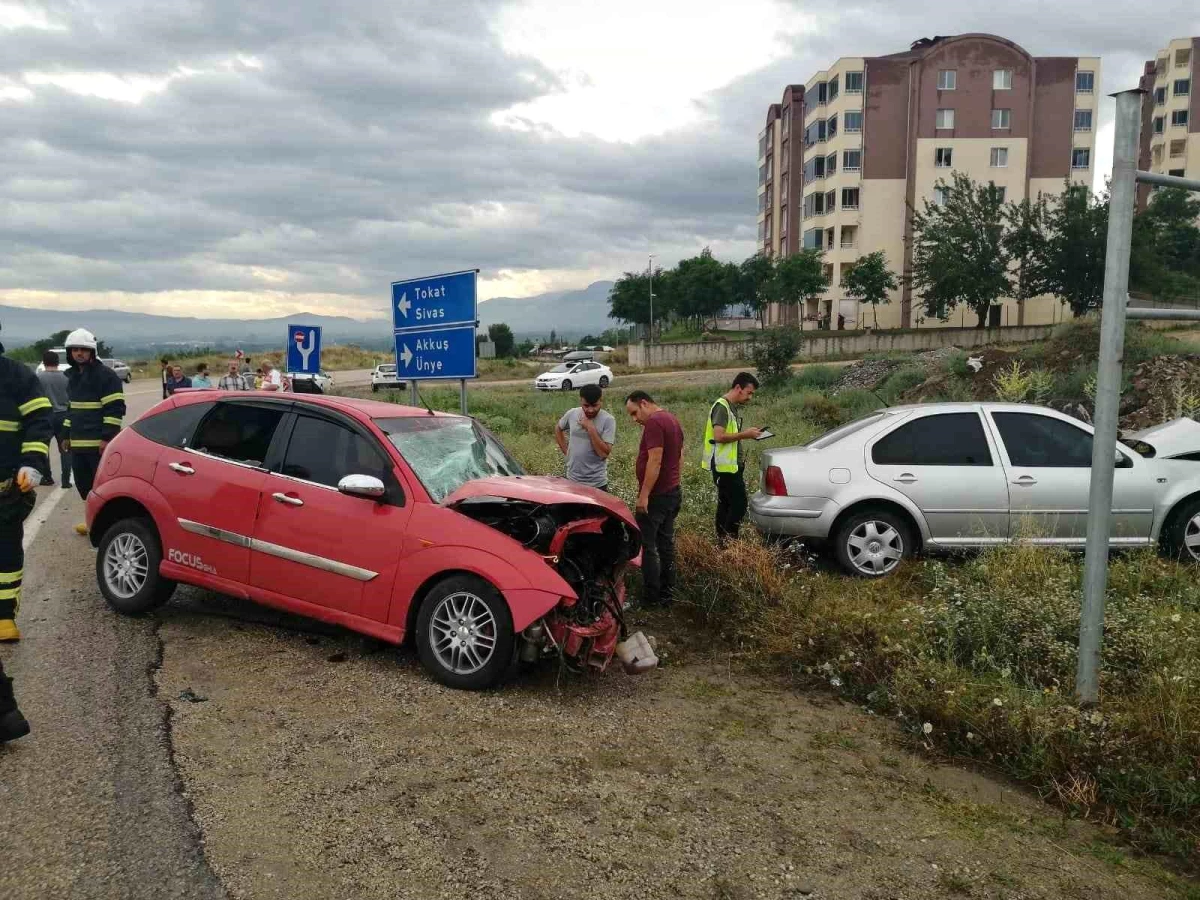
(944, 476)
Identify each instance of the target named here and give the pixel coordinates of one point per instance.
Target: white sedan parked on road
(572, 375)
(384, 376)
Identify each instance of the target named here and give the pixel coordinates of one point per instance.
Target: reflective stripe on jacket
(97, 405)
(26, 419)
(723, 456)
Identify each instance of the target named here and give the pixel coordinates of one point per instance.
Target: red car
(385, 519)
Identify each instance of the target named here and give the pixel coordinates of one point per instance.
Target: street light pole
(650, 270)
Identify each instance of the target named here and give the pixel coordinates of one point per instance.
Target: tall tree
(629, 299)
(1025, 240)
(501, 335)
(958, 251)
(756, 284)
(1165, 257)
(871, 281)
(800, 277)
(701, 287)
(1077, 229)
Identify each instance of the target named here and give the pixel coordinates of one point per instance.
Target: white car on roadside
(321, 379)
(62, 359)
(385, 376)
(572, 375)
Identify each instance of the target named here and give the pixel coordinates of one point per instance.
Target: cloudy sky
(219, 157)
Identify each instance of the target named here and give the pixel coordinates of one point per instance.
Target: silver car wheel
(1191, 537)
(462, 633)
(875, 547)
(126, 565)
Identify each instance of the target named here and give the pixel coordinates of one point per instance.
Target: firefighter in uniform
(26, 424)
(96, 406)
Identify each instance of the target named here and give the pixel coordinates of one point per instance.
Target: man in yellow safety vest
(723, 455)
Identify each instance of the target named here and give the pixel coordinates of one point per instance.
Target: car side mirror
(367, 486)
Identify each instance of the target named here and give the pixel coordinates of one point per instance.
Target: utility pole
(650, 270)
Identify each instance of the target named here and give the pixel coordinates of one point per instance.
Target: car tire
(374, 389)
(458, 600)
(566, 385)
(127, 561)
(603, 381)
(1181, 535)
(872, 542)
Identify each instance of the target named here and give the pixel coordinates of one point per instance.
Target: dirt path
(320, 766)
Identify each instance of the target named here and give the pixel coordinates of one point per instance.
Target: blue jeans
(658, 547)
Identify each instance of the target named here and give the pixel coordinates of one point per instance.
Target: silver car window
(943, 439)
(832, 437)
(1036, 441)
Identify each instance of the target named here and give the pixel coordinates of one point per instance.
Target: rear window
(238, 432)
(172, 427)
(843, 431)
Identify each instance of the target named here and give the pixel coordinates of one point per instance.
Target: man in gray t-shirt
(586, 435)
(54, 383)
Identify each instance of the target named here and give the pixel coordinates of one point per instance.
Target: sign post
(303, 354)
(433, 322)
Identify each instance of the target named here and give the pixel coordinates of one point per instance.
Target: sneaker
(13, 725)
(9, 630)
(81, 528)
(47, 482)
(66, 485)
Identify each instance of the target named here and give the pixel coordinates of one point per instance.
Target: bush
(1012, 384)
(822, 412)
(900, 381)
(773, 352)
(817, 377)
(858, 402)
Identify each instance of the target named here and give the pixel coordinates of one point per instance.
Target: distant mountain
(570, 313)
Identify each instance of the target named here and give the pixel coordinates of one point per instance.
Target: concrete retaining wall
(840, 346)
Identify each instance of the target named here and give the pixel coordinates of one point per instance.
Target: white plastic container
(636, 654)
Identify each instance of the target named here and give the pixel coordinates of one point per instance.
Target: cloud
(225, 155)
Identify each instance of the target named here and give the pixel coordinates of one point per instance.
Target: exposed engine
(590, 549)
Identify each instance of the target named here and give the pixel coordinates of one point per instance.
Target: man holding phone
(724, 457)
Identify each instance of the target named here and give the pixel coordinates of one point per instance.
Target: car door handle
(182, 469)
(1026, 480)
(290, 501)
(905, 478)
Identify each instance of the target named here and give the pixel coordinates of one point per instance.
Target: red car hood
(541, 489)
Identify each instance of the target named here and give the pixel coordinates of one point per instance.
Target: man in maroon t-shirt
(659, 459)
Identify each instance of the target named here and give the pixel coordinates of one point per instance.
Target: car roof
(972, 406)
(371, 409)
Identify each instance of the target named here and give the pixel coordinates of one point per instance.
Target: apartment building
(1170, 114)
(844, 156)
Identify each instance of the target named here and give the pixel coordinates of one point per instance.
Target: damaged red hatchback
(388, 520)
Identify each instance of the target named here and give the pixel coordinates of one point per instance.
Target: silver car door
(945, 463)
(1048, 462)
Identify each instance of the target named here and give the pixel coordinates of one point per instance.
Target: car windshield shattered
(446, 452)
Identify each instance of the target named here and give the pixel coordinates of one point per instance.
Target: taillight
(773, 482)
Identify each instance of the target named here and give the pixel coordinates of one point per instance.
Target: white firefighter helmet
(82, 338)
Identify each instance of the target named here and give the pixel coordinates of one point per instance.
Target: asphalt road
(90, 803)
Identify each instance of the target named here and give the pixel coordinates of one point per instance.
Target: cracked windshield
(446, 453)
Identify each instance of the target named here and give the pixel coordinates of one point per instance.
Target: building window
(762, 175)
(1081, 158)
(831, 164)
(1178, 148)
(783, 190)
(851, 160)
(939, 196)
(854, 82)
(1156, 152)
(1179, 117)
(832, 91)
(1158, 124)
(1085, 82)
(762, 203)
(1160, 66)
(762, 231)
(1083, 120)
(1002, 191)
(810, 205)
(827, 272)
(947, 79)
(999, 158)
(849, 198)
(945, 119)
(1002, 80)
(1178, 173)
(942, 157)
(1182, 86)
(1182, 58)
(1160, 96)
(828, 238)
(853, 121)
(849, 237)
(812, 239)
(830, 201)
(822, 92)
(767, 228)
(831, 128)
(787, 119)
(783, 153)
(1001, 118)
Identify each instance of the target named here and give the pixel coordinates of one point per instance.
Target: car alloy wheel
(1191, 538)
(462, 633)
(603, 381)
(875, 547)
(126, 565)
(566, 385)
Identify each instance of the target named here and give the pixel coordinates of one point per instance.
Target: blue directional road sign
(304, 348)
(436, 353)
(434, 301)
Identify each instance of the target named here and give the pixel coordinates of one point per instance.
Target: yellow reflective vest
(723, 456)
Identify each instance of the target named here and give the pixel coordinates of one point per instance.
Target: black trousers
(15, 507)
(85, 464)
(658, 547)
(731, 503)
(64, 456)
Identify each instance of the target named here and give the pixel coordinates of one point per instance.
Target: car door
(213, 482)
(317, 545)
(944, 462)
(1048, 461)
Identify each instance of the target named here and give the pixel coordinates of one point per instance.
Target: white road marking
(41, 513)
